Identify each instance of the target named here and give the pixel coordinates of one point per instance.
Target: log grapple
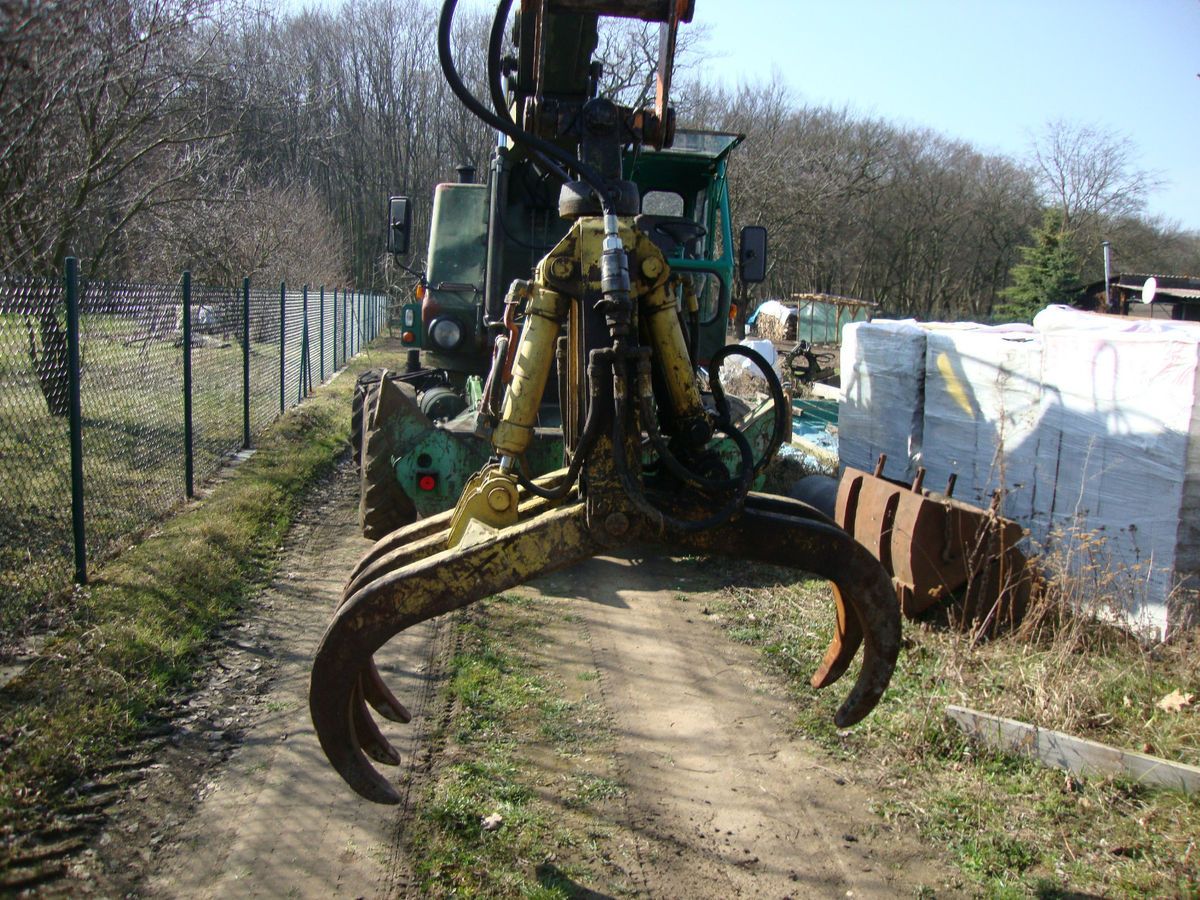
(638, 428)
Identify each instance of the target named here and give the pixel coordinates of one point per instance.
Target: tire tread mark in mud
(432, 714)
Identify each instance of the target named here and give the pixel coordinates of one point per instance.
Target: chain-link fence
(116, 398)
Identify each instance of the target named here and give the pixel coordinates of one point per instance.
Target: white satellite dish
(1149, 289)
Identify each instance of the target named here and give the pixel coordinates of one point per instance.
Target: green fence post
(71, 276)
(302, 381)
(189, 490)
(333, 335)
(321, 338)
(245, 363)
(282, 341)
(344, 327)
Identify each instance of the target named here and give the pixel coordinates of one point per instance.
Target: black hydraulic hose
(495, 47)
(518, 134)
(739, 483)
(634, 491)
(773, 385)
(495, 83)
(591, 431)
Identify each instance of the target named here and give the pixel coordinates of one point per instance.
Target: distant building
(1171, 296)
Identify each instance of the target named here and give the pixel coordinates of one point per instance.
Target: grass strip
(512, 807)
(1014, 827)
(144, 629)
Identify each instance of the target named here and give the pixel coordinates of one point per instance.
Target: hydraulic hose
(633, 490)
(542, 147)
(591, 431)
(495, 84)
(739, 483)
(495, 47)
(776, 390)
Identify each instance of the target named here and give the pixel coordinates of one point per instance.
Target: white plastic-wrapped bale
(982, 413)
(881, 395)
(1122, 400)
(1184, 608)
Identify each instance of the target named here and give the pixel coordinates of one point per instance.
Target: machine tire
(365, 389)
(383, 505)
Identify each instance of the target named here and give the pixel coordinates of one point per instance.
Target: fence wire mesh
(216, 377)
(264, 357)
(131, 385)
(131, 393)
(35, 457)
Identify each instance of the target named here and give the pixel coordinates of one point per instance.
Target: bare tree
(1091, 176)
(629, 51)
(106, 110)
(856, 206)
(143, 135)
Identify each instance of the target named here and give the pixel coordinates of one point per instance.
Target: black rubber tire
(364, 390)
(383, 505)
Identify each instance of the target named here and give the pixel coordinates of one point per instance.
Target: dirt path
(241, 801)
(720, 800)
(278, 820)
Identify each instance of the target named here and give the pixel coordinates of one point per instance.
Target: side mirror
(752, 257)
(399, 225)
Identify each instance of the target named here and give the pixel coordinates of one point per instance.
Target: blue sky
(992, 73)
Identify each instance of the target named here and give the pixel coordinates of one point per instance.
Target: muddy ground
(721, 799)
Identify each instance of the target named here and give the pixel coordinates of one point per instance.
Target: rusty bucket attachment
(936, 547)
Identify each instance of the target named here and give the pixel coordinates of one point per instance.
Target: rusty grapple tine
(371, 568)
(371, 686)
(425, 588)
(412, 542)
(401, 537)
(771, 534)
(440, 523)
(847, 638)
(402, 547)
(848, 633)
(367, 733)
(379, 695)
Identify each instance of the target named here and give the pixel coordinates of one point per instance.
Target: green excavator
(572, 338)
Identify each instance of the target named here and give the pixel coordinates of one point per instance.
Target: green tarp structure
(819, 322)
